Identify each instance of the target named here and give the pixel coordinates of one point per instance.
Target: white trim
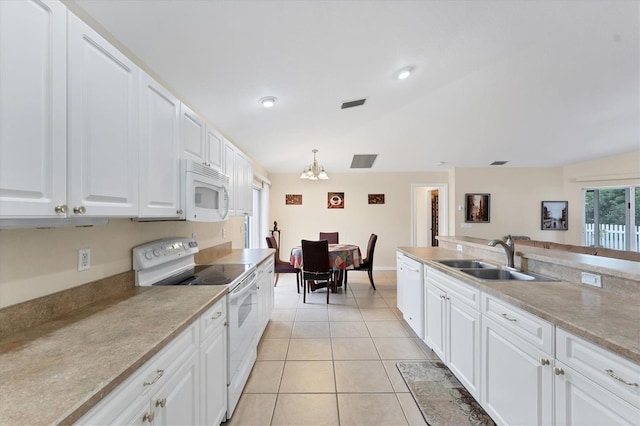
(443, 207)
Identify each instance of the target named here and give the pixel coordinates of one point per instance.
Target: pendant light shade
(314, 171)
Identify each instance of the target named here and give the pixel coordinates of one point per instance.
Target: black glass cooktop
(208, 275)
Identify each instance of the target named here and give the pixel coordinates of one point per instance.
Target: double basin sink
(489, 272)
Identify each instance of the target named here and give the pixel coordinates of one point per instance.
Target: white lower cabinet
(184, 383)
(266, 294)
(452, 326)
(517, 375)
(412, 284)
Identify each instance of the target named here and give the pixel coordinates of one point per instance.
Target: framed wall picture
(554, 216)
(376, 198)
(293, 199)
(477, 207)
(335, 200)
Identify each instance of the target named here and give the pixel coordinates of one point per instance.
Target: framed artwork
(293, 199)
(376, 198)
(335, 200)
(477, 208)
(554, 216)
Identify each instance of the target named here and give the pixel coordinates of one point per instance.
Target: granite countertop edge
(430, 257)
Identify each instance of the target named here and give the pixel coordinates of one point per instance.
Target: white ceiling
(538, 83)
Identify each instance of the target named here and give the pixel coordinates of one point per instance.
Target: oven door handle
(241, 289)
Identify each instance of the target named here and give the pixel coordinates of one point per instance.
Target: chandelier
(314, 171)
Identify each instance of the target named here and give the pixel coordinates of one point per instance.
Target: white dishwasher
(411, 280)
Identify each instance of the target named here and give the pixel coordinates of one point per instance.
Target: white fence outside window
(611, 236)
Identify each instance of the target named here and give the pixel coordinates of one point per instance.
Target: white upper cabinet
(103, 126)
(214, 149)
(159, 151)
(230, 170)
(192, 135)
(33, 109)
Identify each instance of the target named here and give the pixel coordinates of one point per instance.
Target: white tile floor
(333, 364)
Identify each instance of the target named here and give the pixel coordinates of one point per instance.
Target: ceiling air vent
(363, 161)
(352, 104)
(498, 163)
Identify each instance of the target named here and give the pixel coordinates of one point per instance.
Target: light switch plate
(591, 279)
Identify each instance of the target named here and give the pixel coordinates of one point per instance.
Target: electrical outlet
(591, 279)
(223, 232)
(458, 247)
(84, 259)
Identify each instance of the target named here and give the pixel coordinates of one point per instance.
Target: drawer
(457, 289)
(611, 371)
(213, 318)
(529, 327)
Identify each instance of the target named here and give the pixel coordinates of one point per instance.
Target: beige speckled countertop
(56, 372)
(608, 319)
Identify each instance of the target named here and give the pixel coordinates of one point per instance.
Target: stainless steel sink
(505, 275)
(467, 263)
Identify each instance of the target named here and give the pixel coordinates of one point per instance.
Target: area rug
(441, 397)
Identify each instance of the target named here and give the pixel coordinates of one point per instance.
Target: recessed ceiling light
(268, 101)
(405, 72)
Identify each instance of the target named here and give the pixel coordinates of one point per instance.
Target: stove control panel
(162, 251)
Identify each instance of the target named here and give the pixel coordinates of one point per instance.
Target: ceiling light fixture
(405, 72)
(268, 101)
(314, 171)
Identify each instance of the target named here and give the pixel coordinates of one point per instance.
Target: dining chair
(315, 266)
(367, 262)
(282, 267)
(331, 237)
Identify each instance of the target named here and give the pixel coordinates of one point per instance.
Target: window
(612, 218)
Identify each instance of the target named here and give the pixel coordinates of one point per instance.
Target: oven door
(207, 200)
(243, 323)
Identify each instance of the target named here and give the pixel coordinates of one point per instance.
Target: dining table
(341, 256)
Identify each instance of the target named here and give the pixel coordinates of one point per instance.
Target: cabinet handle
(544, 361)
(226, 323)
(61, 208)
(161, 402)
(160, 373)
(148, 417)
(79, 210)
(179, 211)
(216, 315)
(558, 371)
(620, 379)
(505, 316)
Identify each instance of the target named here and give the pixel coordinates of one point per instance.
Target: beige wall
(390, 221)
(52, 259)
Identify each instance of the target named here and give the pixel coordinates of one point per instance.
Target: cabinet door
(463, 344)
(192, 135)
(33, 108)
(214, 378)
(517, 389)
(435, 320)
(399, 284)
(159, 151)
(230, 170)
(413, 295)
(214, 148)
(177, 402)
(579, 401)
(103, 126)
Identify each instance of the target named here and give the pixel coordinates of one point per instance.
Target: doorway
(429, 213)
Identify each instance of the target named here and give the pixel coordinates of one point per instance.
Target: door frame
(443, 208)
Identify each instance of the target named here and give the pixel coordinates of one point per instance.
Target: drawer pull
(216, 315)
(620, 379)
(505, 316)
(544, 361)
(558, 371)
(148, 417)
(160, 373)
(161, 402)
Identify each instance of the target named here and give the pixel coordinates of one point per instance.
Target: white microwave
(205, 193)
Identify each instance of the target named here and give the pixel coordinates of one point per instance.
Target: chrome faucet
(509, 250)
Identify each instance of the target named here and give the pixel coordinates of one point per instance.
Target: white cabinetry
(452, 326)
(594, 385)
(411, 280)
(103, 126)
(163, 391)
(517, 357)
(159, 151)
(192, 135)
(214, 149)
(265, 294)
(33, 109)
(399, 286)
(240, 171)
(213, 364)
